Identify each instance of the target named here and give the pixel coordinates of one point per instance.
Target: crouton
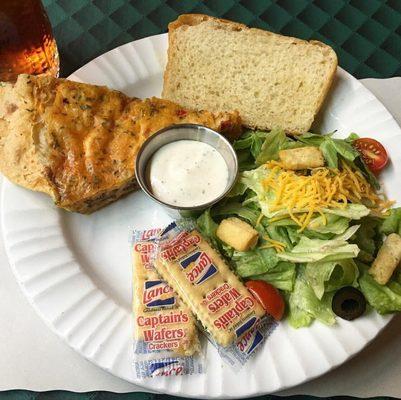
(301, 158)
(237, 234)
(387, 259)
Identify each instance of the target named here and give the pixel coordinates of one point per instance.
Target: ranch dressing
(187, 173)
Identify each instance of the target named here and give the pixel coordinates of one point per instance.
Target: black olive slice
(348, 303)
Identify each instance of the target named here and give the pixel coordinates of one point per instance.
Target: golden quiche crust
(78, 142)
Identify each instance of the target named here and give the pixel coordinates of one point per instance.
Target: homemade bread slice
(272, 80)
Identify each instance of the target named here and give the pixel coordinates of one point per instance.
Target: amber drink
(27, 44)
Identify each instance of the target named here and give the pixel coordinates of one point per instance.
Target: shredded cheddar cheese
(259, 220)
(302, 195)
(280, 217)
(278, 246)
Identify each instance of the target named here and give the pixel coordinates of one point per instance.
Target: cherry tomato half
(373, 153)
(268, 296)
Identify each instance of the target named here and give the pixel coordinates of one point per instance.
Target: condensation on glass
(27, 44)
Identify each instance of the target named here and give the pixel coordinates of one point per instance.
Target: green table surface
(366, 35)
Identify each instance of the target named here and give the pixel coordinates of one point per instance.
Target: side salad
(320, 224)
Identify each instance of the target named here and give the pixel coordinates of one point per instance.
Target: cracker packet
(165, 337)
(232, 319)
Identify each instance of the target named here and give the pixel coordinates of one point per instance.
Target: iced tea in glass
(27, 44)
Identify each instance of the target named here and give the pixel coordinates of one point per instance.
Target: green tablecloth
(366, 35)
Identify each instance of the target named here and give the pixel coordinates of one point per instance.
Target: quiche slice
(78, 142)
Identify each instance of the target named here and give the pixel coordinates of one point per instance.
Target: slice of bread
(274, 81)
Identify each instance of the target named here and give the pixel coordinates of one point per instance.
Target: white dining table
(34, 358)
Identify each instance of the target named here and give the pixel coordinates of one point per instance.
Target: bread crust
(78, 142)
(187, 20)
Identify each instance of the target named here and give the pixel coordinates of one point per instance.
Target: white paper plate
(76, 270)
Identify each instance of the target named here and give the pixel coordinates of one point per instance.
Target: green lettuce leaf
(279, 233)
(317, 235)
(274, 141)
(368, 238)
(245, 160)
(345, 149)
(256, 145)
(282, 276)
(332, 275)
(352, 136)
(392, 223)
(248, 147)
(329, 153)
(313, 139)
(251, 141)
(383, 298)
(339, 253)
(304, 306)
(282, 222)
(206, 224)
(297, 316)
(253, 180)
(245, 141)
(313, 250)
(358, 163)
(331, 148)
(348, 233)
(235, 208)
(238, 189)
(292, 144)
(208, 227)
(352, 211)
(254, 262)
(330, 224)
